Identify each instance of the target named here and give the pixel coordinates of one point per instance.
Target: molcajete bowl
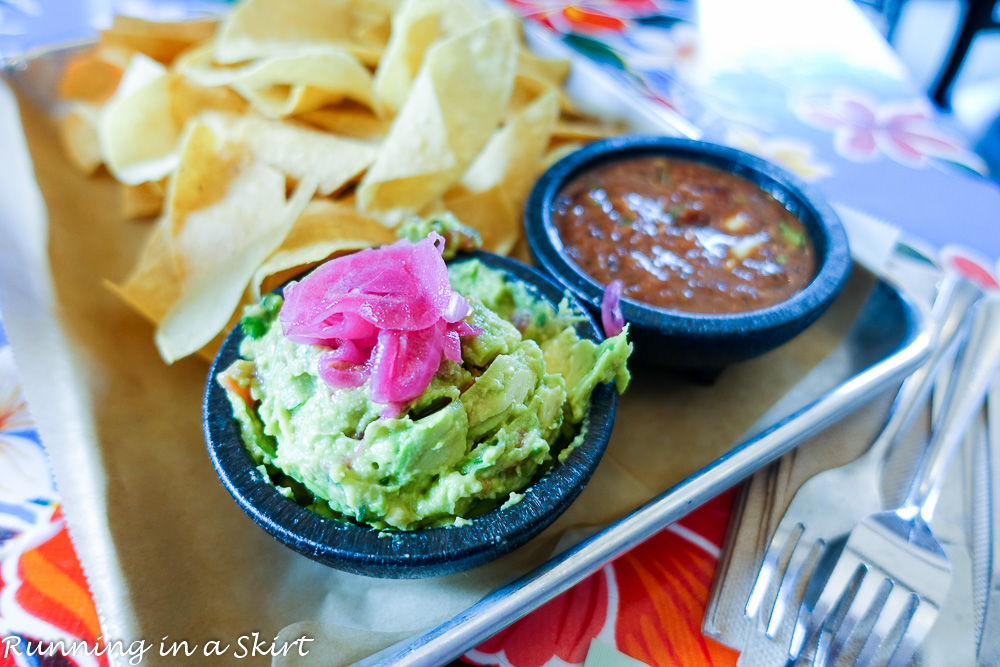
(424, 552)
(700, 342)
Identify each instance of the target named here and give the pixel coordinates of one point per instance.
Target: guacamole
(480, 432)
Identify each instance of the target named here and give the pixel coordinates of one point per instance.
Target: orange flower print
(584, 16)
(648, 604)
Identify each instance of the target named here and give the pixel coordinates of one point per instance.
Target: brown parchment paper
(167, 552)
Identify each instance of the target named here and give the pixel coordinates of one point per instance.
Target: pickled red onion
(611, 309)
(389, 314)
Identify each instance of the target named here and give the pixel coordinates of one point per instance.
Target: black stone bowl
(419, 553)
(704, 343)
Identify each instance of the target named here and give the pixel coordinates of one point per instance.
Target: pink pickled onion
(339, 326)
(342, 374)
(611, 309)
(389, 314)
(344, 365)
(403, 362)
(401, 286)
(452, 346)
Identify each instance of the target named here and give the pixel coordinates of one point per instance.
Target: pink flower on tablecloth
(864, 129)
(972, 265)
(584, 16)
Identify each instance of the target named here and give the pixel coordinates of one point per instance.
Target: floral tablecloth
(43, 594)
(815, 90)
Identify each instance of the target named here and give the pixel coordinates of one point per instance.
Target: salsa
(683, 235)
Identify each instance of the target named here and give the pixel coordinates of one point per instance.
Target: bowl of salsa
(721, 256)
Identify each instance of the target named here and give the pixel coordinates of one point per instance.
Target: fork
(811, 521)
(896, 568)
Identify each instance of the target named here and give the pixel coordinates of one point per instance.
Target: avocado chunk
(497, 335)
(504, 388)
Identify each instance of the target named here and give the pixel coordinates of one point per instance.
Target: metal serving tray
(886, 341)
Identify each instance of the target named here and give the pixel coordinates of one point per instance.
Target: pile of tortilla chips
(293, 131)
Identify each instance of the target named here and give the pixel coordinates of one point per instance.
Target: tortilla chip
(161, 41)
(302, 152)
(265, 28)
(528, 89)
(211, 349)
(198, 65)
(202, 143)
(415, 25)
(222, 231)
(286, 85)
(136, 129)
(143, 200)
(188, 99)
(414, 28)
(463, 15)
(552, 71)
(372, 22)
(348, 120)
(324, 228)
(154, 286)
(491, 194)
(78, 134)
(509, 159)
(491, 213)
(206, 168)
(91, 77)
(155, 283)
(455, 103)
(535, 77)
(555, 153)
(576, 129)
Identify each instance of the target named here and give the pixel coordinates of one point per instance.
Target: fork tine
(822, 648)
(761, 584)
(783, 537)
(802, 562)
(898, 606)
(809, 621)
(869, 598)
(920, 624)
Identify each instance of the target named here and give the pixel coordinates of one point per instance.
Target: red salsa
(683, 235)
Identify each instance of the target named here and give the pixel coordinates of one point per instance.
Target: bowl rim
(821, 221)
(423, 552)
